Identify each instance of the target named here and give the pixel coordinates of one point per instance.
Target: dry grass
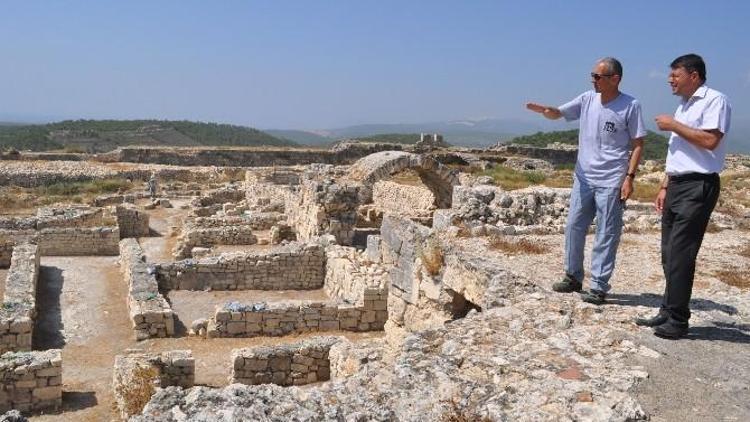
(14, 198)
(456, 414)
(139, 391)
(510, 179)
(432, 257)
(734, 277)
(745, 251)
(516, 247)
(645, 192)
(560, 179)
(713, 228)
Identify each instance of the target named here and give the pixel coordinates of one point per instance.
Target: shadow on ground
(651, 300)
(78, 400)
(49, 325)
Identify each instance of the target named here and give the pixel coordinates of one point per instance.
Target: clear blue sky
(318, 64)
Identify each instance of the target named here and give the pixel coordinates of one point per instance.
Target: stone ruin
(363, 277)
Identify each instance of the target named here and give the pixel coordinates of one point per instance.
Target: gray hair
(614, 67)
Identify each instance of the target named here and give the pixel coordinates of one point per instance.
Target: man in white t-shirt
(611, 126)
(690, 188)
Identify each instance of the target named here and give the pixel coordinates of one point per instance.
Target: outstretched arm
(551, 113)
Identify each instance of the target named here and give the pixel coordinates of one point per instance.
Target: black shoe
(654, 321)
(671, 330)
(597, 297)
(567, 285)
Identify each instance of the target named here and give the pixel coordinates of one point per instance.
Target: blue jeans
(586, 201)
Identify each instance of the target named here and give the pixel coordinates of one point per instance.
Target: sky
(325, 64)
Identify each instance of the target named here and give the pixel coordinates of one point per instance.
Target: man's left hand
(665, 122)
(627, 189)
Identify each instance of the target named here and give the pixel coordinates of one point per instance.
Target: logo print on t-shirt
(609, 127)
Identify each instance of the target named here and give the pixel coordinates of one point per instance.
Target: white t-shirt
(604, 136)
(707, 109)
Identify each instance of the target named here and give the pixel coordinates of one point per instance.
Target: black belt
(693, 176)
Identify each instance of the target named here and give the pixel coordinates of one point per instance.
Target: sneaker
(567, 285)
(596, 297)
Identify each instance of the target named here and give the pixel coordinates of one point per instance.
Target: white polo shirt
(707, 109)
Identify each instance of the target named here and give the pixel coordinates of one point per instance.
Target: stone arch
(381, 165)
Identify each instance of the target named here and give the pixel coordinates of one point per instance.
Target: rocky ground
(544, 356)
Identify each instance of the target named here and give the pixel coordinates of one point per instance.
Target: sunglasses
(597, 76)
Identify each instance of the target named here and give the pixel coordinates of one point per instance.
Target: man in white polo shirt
(611, 126)
(691, 187)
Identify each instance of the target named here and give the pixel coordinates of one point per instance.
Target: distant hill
(392, 138)
(301, 137)
(106, 135)
(654, 146)
(469, 132)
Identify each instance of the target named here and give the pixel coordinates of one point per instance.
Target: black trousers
(687, 207)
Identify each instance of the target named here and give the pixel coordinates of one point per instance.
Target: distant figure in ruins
(152, 186)
(611, 126)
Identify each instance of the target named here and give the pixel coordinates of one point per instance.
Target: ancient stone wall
(295, 266)
(72, 217)
(149, 312)
(402, 199)
(18, 309)
(131, 221)
(278, 319)
(553, 155)
(31, 381)
(78, 242)
(206, 237)
(349, 274)
(326, 207)
(219, 196)
(287, 364)
(530, 210)
(137, 375)
(343, 153)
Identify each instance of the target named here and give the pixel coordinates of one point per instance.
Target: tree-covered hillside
(654, 146)
(105, 135)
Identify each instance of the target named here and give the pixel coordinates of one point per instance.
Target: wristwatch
(631, 175)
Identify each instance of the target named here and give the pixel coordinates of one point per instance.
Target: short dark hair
(691, 63)
(614, 65)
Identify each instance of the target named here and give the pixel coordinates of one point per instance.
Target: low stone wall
(79, 241)
(198, 237)
(72, 217)
(19, 304)
(530, 210)
(287, 364)
(344, 153)
(553, 155)
(31, 380)
(256, 220)
(137, 375)
(219, 196)
(149, 312)
(131, 221)
(278, 319)
(294, 266)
